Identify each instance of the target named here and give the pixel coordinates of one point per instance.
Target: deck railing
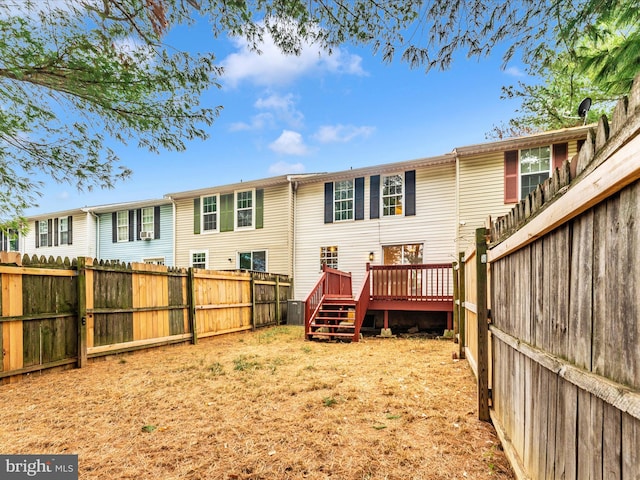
(423, 282)
(332, 282)
(362, 302)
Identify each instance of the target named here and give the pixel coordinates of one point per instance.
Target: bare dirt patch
(263, 405)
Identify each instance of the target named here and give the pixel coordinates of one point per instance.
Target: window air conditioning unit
(146, 235)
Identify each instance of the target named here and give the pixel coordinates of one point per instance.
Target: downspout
(457, 226)
(293, 188)
(97, 232)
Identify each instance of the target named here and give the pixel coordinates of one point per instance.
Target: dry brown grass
(263, 405)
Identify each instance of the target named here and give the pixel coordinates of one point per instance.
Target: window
(535, 168)
(343, 200)
(403, 254)
(154, 261)
(123, 226)
(198, 259)
(244, 209)
(256, 261)
(329, 257)
(43, 233)
(392, 195)
(147, 220)
(63, 230)
(8, 240)
(12, 236)
(210, 214)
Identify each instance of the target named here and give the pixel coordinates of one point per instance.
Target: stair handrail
(313, 302)
(362, 303)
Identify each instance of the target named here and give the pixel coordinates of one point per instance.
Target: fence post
(483, 326)
(191, 299)
(456, 300)
(462, 291)
(253, 302)
(278, 319)
(82, 312)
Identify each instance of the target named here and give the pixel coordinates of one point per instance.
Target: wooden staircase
(335, 320)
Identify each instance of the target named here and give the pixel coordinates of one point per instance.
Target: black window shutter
(196, 215)
(69, 230)
(156, 222)
(138, 223)
(132, 214)
(374, 196)
(55, 232)
(410, 192)
(114, 227)
(37, 234)
(359, 200)
(49, 232)
(328, 202)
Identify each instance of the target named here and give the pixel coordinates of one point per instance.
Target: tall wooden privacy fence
(563, 316)
(56, 313)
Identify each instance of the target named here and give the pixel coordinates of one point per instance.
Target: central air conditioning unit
(146, 235)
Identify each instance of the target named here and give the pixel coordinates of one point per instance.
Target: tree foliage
(76, 75)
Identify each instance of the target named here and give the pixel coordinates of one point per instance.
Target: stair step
(333, 325)
(329, 334)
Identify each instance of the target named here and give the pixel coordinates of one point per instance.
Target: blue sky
(313, 113)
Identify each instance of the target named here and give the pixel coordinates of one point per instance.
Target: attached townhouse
(69, 233)
(140, 231)
(491, 177)
(246, 225)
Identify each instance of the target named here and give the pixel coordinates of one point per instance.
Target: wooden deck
(411, 288)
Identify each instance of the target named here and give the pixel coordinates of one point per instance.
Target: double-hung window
(123, 225)
(343, 200)
(198, 259)
(244, 209)
(392, 195)
(43, 233)
(63, 230)
(147, 219)
(210, 213)
(535, 168)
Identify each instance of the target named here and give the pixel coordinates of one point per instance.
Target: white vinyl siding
(274, 237)
(433, 225)
(83, 242)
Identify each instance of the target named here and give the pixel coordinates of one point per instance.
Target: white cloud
(289, 143)
(283, 107)
(258, 122)
(272, 67)
(341, 133)
(514, 72)
(282, 168)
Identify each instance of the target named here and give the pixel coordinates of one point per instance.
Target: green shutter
(196, 215)
(259, 208)
(226, 212)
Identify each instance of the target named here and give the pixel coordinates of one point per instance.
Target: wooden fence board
(612, 443)
(552, 419)
(581, 292)
(630, 447)
(567, 431)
